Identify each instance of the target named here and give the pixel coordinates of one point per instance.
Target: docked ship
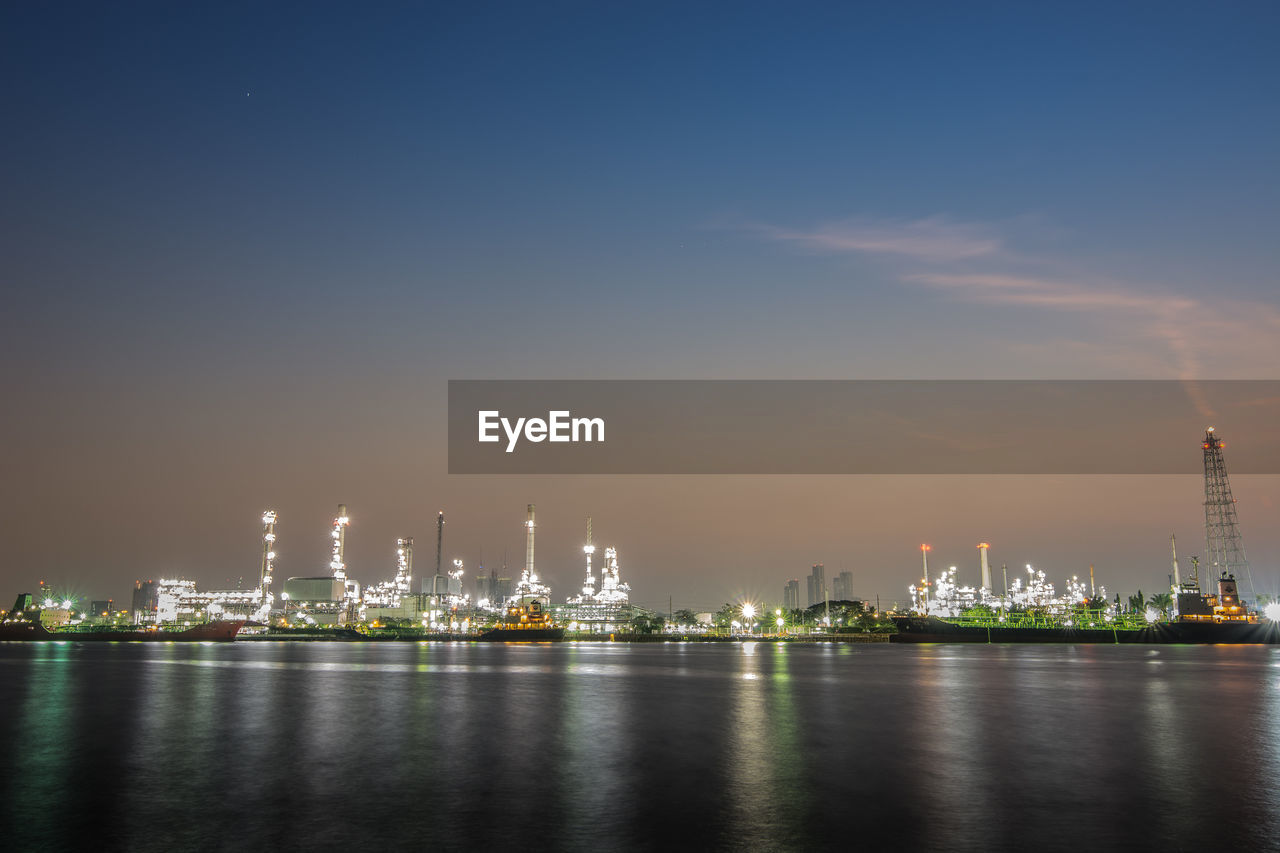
(22, 624)
(526, 622)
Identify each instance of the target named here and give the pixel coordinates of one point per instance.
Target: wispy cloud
(933, 239)
(1195, 336)
(1051, 293)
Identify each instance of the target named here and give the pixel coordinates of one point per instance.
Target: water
(645, 746)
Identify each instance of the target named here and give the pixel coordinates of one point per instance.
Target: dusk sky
(245, 246)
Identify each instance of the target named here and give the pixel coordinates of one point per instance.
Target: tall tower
(986, 567)
(1221, 526)
(529, 586)
(528, 547)
(924, 579)
(439, 541)
(338, 565)
(589, 585)
(265, 598)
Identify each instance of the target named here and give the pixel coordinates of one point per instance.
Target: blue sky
(229, 227)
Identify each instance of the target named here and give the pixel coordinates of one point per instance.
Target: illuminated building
(144, 602)
(791, 595)
(178, 600)
(817, 584)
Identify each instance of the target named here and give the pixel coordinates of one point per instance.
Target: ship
(22, 624)
(1201, 619)
(526, 622)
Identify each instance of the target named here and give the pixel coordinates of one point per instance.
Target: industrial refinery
(335, 600)
(334, 604)
(1028, 608)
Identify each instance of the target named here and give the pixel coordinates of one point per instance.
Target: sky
(244, 248)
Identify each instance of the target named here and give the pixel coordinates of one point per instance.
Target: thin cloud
(1048, 293)
(1196, 334)
(934, 239)
(1199, 337)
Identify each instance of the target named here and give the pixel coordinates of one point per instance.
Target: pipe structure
(986, 568)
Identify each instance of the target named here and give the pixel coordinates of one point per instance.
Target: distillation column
(265, 599)
(338, 565)
(528, 547)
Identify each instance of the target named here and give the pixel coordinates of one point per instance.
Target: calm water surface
(618, 747)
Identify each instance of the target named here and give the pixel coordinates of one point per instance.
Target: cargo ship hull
(207, 632)
(931, 629)
(523, 635)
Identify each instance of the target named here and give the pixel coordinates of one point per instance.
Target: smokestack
(924, 581)
(528, 548)
(439, 540)
(986, 568)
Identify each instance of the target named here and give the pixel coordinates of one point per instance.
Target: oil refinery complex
(1030, 609)
(333, 604)
(334, 600)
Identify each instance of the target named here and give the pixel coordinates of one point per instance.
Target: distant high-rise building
(791, 595)
(817, 584)
(484, 586)
(146, 596)
(504, 588)
(842, 587)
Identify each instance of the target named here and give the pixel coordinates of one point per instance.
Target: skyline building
(791, 595)
(817, 583)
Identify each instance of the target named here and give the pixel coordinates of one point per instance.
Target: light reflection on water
(616, 746)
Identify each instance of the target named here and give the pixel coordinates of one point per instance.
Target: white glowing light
(1272, 611)
(748, 611)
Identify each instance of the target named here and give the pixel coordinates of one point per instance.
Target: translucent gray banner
(859, 426)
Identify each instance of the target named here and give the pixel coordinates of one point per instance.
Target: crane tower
(1221, 526)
